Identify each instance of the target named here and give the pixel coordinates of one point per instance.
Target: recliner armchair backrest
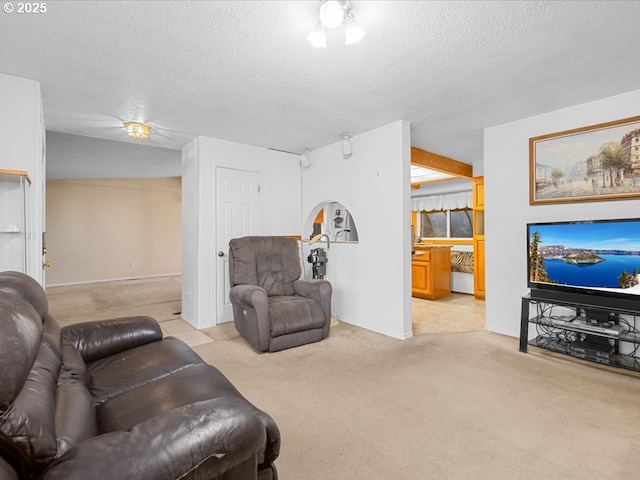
(272, 263)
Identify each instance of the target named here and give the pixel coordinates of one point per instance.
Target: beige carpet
(449, 406)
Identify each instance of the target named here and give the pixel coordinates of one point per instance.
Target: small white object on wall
(346, 146)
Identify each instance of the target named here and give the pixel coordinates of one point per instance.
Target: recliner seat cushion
(291, 314)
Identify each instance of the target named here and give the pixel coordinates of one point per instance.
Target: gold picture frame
(589, 164)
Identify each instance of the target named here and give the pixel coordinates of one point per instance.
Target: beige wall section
(105, 229)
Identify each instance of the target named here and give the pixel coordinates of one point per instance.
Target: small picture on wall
(596, 163)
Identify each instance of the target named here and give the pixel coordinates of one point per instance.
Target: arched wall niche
(333, 219)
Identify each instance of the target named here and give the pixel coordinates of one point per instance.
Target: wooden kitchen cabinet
(431, 272)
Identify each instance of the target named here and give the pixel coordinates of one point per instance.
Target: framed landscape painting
(590, 164)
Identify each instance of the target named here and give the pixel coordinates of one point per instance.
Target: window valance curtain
(449, 201)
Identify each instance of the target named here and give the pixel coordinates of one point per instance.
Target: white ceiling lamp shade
(136, 130)
(332, 14)
(353, 32)
(305, 162)
(318, 36)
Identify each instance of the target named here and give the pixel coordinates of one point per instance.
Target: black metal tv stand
(608, 335)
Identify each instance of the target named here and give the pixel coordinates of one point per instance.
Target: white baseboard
(137, 277)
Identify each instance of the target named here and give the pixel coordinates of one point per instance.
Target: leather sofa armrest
(102, 338)
(212, 436)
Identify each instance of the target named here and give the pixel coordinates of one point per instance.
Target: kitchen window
(446, 223)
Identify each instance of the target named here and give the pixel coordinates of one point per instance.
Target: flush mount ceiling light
(136, 130)
(332, 14)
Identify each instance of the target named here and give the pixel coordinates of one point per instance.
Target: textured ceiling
(243, 70)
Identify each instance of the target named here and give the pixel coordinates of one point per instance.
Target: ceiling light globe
(331, 13)
(318, 36)
(353, 33)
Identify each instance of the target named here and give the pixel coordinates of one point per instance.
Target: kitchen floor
(458, 312)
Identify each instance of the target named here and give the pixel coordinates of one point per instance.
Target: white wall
(191, 232)
(284, 215)
(507, 209)
(276, 172)
(112, 229)
(76, 156)
(22, 148)
(372, 278)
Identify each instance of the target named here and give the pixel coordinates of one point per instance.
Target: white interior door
(236, 216)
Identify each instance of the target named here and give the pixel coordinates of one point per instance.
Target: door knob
(221, 253)
(46, 264)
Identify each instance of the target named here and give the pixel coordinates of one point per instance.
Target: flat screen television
(594, 262)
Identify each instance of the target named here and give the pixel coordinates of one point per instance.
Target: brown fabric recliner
(113, 399)
(273, 308)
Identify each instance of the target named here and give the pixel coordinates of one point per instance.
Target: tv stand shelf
(567, 327)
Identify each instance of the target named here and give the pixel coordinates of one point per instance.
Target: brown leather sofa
(115, 400)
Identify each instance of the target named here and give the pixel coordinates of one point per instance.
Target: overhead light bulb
(353, 33)
(318, 36)
(331, 12)
(136, 130)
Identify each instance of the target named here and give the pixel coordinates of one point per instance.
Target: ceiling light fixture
(318, 36)
(136, 130)
(353, 32)
(332, 14)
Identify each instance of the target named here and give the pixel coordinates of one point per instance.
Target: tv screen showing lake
(602, 274)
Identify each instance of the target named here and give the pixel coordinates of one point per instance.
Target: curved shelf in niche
(332, 219)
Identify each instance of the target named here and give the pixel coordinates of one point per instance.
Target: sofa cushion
(183, 387)
(116, 374)
(291, 314)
